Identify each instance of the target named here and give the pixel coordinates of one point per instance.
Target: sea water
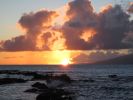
(101, 89)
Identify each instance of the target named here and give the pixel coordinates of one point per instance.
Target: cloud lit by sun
(62, 18)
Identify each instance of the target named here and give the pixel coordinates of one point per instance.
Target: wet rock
(116, 79)
(11, 80)
(9, 71)
(40, 85)
(51, 90)
(55, 94)
(40, 77)
(55, 83)
(89, 80)
(25, 73)
(64, 78)
(33, 90)
(38, 88)
(112, 76)
(58, 80)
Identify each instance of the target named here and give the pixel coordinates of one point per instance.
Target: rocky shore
(53, 86)
(52, 89)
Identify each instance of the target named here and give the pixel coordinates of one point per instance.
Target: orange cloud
(106, 8)
(88, 34)
(130, 9)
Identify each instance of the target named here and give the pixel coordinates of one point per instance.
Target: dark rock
(39, 77)
(11, 80)
(9, 71)
(55, 94)
(51, 93)
(33, 90)
(116, 79)
(27, 73)
(40, 85)
(112, 76)
(89, 80)
(38, 88)
(63, 77)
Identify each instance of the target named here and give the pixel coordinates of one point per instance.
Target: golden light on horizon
(65, 62)
(58, 57)
(62, 57)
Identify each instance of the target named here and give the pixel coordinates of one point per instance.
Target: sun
(65, 62)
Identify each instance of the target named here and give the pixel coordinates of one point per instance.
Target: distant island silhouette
(126, 59)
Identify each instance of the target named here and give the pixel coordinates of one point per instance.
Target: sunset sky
(64, 31)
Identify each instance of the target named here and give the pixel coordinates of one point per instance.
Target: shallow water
(102, 88)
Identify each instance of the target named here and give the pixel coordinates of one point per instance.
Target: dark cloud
(95, 56)
(81, 18)
(34, 24)
(20, 43)
(103, 55)
(129, 35)
(129, 39)
(81, 58)
(45, 37)
(81, 14)
(110, 26)
(130, 51)
(113, 24)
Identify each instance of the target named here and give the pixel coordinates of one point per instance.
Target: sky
(12, 10)
(75, 29)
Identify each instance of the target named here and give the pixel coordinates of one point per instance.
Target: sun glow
(65, 62)
(61, 57)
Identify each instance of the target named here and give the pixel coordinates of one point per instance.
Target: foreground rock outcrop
(11, 80)
(52, 88)
(54, 94)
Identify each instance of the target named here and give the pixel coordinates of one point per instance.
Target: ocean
(103, 88)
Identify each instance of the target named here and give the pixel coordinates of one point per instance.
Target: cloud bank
(95, 56)
(84, 29)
